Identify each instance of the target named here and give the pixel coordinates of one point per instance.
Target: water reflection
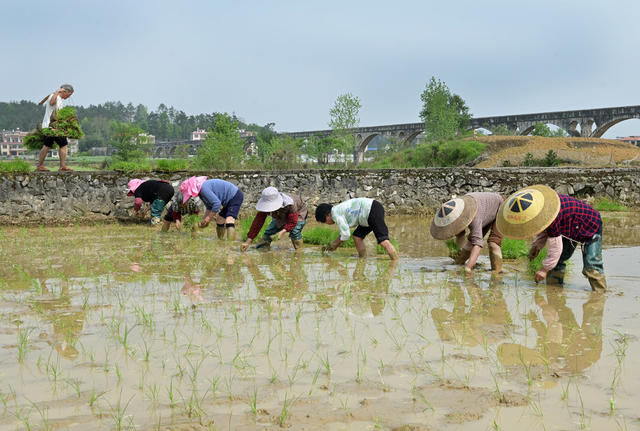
(477, 318)
(561, 343)
(67, 319)
(280, 276)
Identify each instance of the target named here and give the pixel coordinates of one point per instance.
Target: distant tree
(130, 141)
(223, 147)
(501, 131)
(559, 133)
(344, 119)
(541, 129)
(444, 114)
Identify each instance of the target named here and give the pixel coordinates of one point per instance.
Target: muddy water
(121, 327)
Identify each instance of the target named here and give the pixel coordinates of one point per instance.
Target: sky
(287, 61)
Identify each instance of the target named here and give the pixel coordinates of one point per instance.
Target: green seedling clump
(514, 248)
(323, 236)
(65, 124)
(536, 263)
(606, 204)
(453, 247)
(131, 166)
(511, 248)
(172, 165)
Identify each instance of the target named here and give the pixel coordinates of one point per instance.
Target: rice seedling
(95, 396)
(253, 401)
(23, 343)
(285, 411)
(119, 412)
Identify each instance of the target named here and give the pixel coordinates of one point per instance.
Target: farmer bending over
(367, 214)
(156, 192)
(288, 213)
(221, 199)
(478, 212)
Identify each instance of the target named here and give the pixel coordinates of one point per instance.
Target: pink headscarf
(133, 185)
(191, 187)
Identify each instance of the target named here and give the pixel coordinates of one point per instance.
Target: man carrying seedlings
(288, 214)
(477, 211)
(367, 214)
(177, 209)
(53, 103)
(561, 223)
(156, 192)
(217, 195)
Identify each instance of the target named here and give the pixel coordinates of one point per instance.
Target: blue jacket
(216, 193)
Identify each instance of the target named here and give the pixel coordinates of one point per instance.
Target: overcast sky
(286, 61)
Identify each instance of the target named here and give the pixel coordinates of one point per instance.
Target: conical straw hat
(453, 217)
(528, 212)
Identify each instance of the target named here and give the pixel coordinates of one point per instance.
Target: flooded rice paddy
(122, 327)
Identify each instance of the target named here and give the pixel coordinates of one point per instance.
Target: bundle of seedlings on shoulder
(65, 123)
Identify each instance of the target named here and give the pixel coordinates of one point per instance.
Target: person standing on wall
(53, 103)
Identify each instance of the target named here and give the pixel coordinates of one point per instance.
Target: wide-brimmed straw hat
(453, 217)
(270, 200)
(528, 212)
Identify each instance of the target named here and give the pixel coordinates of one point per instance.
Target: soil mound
(589, 152)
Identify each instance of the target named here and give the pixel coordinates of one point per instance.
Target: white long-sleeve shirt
(351, 213)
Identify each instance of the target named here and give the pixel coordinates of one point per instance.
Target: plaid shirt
(576, 220)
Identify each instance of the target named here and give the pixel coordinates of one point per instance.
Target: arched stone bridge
(592, 122)
(169, 148)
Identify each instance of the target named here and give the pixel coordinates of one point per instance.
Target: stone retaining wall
(52, 196)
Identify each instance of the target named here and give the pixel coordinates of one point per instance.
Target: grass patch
(432, 154)
(16, 165)
(172, 165)
(606, 204)
(130, 166)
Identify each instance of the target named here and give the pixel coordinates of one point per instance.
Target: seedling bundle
(63, 123)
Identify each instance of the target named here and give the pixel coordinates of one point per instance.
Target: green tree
(541, 129)
(130, 141)
(222, 149)
(344, 118)
(444, 114)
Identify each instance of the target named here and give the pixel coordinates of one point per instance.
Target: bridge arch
(602, 129)
(362, 146)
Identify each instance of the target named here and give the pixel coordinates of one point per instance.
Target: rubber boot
(495, 257)
(297, 243)
(220, 231)
(597, 280)
(231, 233)
(462, 256)
(555, 277)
